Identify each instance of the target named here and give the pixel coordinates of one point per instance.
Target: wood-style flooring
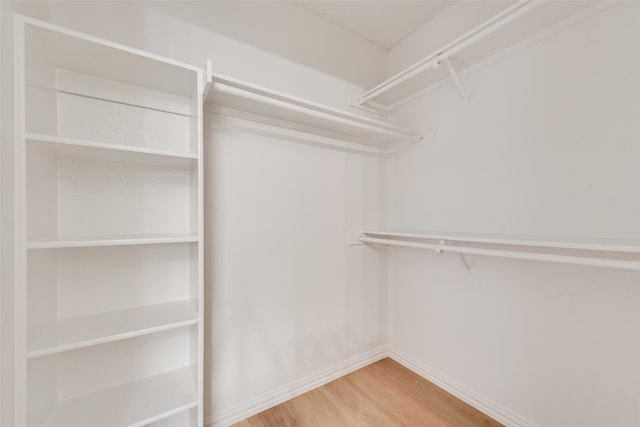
(383, 394)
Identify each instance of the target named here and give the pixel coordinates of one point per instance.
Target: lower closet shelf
(130, 405)
(100, 328)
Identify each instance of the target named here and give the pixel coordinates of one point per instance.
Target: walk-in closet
(320, 213)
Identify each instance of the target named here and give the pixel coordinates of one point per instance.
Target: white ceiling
(384, 23)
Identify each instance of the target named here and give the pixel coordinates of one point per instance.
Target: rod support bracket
(438, 60)
(353, 238)
(463, 259)
(456, 80)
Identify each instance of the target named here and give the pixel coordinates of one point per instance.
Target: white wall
(285, 297)
(548, 146)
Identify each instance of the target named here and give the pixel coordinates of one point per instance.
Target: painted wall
(285, 297)
(548, 146)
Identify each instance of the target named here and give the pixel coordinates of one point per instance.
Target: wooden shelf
(130, 405)
(231, 97)
(113, 241)
(87, 150)
(78, 332)
(519, 25)
(612, 253)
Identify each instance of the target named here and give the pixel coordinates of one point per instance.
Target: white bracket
(208, 78)
(353, 238)
(456, 80)
(427, 138)
(461, 255)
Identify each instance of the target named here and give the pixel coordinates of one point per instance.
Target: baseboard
(474, 399)
(306, 384)
(294, 389)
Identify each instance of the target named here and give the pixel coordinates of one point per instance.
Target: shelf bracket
(463, 259)
(456, 80)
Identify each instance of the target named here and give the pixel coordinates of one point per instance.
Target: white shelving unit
(519, 25)
(272, 112)
(109, 249)
(612, 253)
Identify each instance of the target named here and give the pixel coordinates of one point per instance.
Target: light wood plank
(383, 394)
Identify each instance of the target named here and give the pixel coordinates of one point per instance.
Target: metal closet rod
(487, 27)
(534, 256)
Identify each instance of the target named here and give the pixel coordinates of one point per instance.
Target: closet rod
(489, 26)
(566, 259)
(241, 90)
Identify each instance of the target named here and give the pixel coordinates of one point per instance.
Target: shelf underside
(83, 331)
(130, 405)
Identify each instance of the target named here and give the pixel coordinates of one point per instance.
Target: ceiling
(384, 23)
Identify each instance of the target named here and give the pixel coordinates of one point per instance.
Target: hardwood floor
(384, 394)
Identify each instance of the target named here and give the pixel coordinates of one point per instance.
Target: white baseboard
(282, 394)
(474, 399)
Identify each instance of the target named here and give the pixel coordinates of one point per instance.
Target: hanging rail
(487, 27)
(449, 246)
(228, 91)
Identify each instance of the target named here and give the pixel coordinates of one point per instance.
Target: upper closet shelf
(269, 109)
(80, 53)
(613, 253)
(515, 27)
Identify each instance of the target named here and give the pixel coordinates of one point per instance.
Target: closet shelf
(134, 404)
(238, 99)
(613, 253)
(84, 331)
(515, 27)
(88, 150)
(85, 54)
(125, 240)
